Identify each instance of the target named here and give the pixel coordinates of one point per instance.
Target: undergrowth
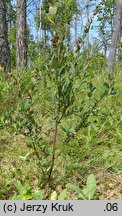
(27, 136)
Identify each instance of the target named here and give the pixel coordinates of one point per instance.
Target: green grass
(94, 149)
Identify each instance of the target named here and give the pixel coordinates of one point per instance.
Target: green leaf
(38, 195)
(53, 196)
(91, 86)
(89, 94)
(50, 18)
(27, 196)
(90, 189)
(106, 85)
(19, 187)
(76, 189)
(121, 118)
(102, 92)
(27, 188)
(84, 194)
(73, 187)
(63, 195)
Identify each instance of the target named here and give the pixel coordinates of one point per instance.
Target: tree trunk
(87, 15)
(115, 35)
(9, 16)
(120, 44)
(4, 47)
(21, 41)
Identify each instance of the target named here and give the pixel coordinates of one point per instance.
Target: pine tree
(21, 43)
(4, 46)
(115, 35)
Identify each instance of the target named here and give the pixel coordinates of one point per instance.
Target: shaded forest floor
(17, 165)
(97, 150)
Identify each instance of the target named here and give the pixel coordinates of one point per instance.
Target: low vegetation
(51, 153)
(60, 100)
